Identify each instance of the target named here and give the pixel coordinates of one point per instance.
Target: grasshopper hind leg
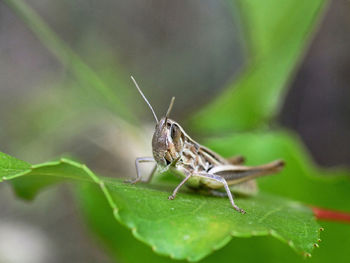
(225, 185)
(216, 178)
(230, 196)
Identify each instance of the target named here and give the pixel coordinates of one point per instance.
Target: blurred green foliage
(90, 83)
(276, 33)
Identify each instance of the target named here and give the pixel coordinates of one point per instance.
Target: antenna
(144, 97)
(170, 107)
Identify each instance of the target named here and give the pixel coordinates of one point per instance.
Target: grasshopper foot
(171, 197)
(240, 210)
(134, 181)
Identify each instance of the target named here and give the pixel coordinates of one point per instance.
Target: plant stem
(331, 215)
(87, 77)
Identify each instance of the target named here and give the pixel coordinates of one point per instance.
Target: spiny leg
(272, 167)
(137, 162)
(223, 181)
(171, 197)
(240, 173)
(230, 196)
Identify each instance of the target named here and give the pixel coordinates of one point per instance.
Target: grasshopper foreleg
(154, 170)
(137, 162)
(188, 176)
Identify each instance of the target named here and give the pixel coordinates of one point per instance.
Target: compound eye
(172, 131)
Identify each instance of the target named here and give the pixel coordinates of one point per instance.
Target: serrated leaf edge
(95, 179)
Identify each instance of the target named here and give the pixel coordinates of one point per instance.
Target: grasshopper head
(167, 143)
(160, 141)
(168, 140)
(168, 137)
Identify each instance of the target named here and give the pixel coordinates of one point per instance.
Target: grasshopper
(198, 166)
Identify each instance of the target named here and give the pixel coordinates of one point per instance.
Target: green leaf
(125, 248)
(301, 180)
(116, 238)
(276, 34)
(191, 226)
(11, 167)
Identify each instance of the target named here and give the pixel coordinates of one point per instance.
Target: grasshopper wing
(236, 174)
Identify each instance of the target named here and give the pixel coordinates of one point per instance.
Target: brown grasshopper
(199, 166)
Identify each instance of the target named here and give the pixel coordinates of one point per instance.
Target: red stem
(331, 215)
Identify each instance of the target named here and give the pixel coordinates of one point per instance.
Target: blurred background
(187, 49)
